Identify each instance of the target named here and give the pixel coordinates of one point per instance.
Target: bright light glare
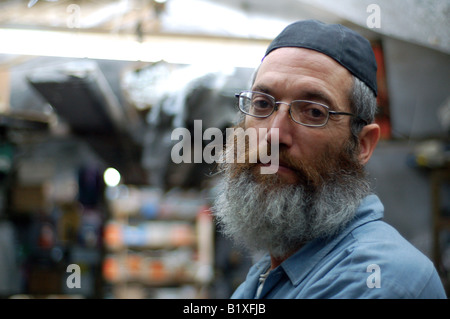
(111, 177)
(183, 50)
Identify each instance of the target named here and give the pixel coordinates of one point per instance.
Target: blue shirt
(368, 259)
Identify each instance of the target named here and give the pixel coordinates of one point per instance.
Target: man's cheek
(269, 156)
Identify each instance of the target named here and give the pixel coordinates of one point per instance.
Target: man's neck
(276, 261)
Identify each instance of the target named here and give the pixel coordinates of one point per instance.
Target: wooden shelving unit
(158, 245)
(440, 218)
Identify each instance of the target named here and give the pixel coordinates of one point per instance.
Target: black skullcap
(342, 44)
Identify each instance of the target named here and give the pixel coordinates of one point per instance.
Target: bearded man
(316, 218)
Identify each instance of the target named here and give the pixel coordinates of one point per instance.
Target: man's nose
(282, 122)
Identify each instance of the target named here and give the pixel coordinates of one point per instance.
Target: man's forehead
(313, 75)
(344, 45)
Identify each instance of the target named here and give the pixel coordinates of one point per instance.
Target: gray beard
(281, 218)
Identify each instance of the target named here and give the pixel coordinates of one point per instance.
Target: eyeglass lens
(304, 112)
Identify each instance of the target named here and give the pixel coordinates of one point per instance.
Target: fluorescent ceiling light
(172, 49)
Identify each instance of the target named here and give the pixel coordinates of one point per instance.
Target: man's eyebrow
(318, 96)
(313, 95)
(261, 88)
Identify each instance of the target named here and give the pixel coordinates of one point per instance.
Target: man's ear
(368, 139)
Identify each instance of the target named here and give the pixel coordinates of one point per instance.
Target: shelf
(156, 240)
(441, 223)
(149, 235)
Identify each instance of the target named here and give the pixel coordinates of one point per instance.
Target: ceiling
(150, 16)
(421, 21)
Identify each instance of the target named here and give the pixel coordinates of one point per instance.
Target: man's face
(300, 74)
(320, 181)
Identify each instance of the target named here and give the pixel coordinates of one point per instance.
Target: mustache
(307, 174)
(331, 164)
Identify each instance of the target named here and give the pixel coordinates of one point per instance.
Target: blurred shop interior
(91, 91)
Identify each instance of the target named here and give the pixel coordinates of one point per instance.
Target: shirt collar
(303, 261)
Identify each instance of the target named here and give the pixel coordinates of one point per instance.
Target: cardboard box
(4, 91)
(29, 198)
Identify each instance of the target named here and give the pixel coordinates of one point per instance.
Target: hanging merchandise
(90, 228)
(69, 222)
(90, 185)
(6, 159)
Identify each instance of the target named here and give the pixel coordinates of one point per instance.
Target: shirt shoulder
(239, 292)
(375, 261)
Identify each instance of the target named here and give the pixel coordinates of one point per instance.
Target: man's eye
(261, 104)
(314, 112)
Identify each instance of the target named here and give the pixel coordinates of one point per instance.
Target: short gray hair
(363, 103)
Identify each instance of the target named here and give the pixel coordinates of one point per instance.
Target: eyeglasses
(306, 113)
